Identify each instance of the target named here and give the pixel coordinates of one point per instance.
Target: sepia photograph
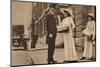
(44, 33)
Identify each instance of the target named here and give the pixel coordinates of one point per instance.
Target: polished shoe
(83, 58)
(52, 62)
(73, 61)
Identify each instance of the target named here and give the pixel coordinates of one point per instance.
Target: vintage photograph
(52, 33)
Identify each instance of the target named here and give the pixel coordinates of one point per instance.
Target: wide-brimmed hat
(91, 15)
(69, 10)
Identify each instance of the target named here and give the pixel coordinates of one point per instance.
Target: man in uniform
(51, 33)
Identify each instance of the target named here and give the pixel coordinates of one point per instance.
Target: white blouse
(68, 22)
(90, 28)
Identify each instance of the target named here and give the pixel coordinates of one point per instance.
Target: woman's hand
(89, 37)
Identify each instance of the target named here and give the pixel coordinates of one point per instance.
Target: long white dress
(88, 46)
(69, 44)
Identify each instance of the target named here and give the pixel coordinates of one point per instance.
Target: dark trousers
(51, 46)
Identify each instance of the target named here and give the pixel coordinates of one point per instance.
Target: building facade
(23, 13)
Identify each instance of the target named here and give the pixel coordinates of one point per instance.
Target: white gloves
(50, 35)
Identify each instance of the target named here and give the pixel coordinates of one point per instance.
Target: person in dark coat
(51, 33)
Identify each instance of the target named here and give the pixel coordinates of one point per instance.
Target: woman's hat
(69, 10)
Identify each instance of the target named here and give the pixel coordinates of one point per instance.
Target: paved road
(21, 57)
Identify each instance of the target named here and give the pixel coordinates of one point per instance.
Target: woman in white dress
(69, 44)
(89, 38)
